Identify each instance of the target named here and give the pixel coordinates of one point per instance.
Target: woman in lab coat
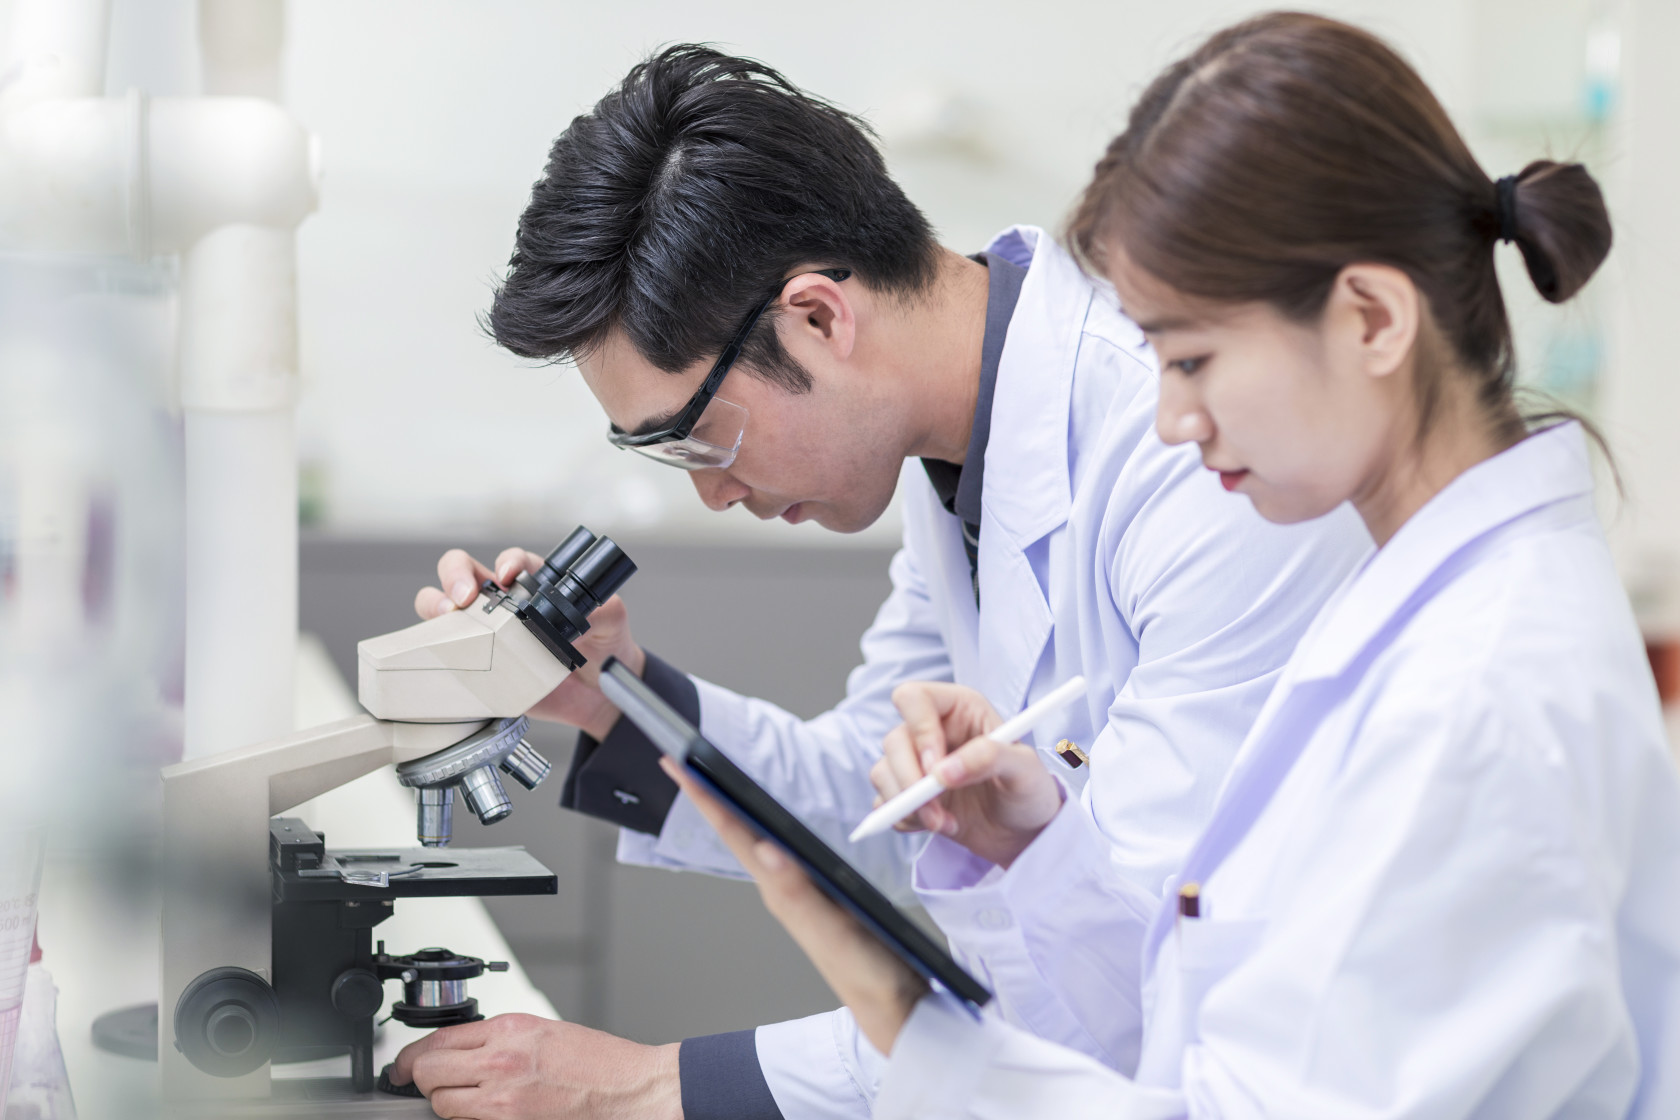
(1443, 878)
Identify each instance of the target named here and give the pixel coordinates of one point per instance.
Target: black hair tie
(1506, 190)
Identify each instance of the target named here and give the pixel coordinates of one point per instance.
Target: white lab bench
(99, 930)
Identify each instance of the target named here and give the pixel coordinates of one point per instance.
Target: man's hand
(520, 1067)
(578, 701)
(998, 796)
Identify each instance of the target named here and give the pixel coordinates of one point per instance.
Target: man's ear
(819, 313)
(1381, 306)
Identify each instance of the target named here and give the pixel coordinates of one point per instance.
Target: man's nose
(717, 489)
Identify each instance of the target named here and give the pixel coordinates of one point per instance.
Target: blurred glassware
(22, 849)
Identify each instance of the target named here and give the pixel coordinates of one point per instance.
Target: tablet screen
(842, 882)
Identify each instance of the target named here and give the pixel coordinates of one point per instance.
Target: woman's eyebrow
(1162, 326)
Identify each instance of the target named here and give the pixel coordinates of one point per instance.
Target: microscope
(267, 949)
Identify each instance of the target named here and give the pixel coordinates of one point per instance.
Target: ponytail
(1555, 214)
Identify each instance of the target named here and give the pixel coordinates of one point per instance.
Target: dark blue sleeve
(618, 778)
(721, 1079)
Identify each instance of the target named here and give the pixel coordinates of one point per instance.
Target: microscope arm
(297, 767)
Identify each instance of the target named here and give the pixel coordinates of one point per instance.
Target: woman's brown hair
(1289, 146)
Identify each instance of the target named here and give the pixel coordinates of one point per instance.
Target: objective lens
(437, 807)
(485, 796)
(527, 766)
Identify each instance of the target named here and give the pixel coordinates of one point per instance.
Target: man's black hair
(681, 203)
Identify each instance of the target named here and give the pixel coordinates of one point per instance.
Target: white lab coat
(1102, 552)
(1443, 879)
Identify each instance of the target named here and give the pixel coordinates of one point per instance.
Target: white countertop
(100, 939)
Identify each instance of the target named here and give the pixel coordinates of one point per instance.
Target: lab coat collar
(1548, 467)
(1543, 470)
(1028, 492)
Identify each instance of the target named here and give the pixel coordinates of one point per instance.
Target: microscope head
(499, 656)
(491, 661)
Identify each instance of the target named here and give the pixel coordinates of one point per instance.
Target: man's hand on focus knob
(520, 1067)
(578, 701)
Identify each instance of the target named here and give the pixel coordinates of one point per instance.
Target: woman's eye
(1187, 366)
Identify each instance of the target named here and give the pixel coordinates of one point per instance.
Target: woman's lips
(792, 514)
(1230, 479)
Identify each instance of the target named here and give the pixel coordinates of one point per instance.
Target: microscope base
(317, 1098)
(129, 1031)
(132, 1032)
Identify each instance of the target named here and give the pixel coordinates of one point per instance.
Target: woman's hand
(578, 699)
(999, 795)
(880, 989)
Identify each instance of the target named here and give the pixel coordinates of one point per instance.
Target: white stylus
(920, 792)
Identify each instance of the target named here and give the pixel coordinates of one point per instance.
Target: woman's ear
(820, 312)
(1382, 307)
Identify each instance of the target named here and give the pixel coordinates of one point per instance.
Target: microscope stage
(305, 871)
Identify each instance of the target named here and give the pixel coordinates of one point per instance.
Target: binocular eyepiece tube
(555, 602)
(565, 554)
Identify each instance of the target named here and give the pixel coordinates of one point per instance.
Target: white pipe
(55, 49)
(211, 161)
(238, 367)
(241, 41)
(223, 180)
(241, 164)
(64, 175)
(149, 175)
(241, 540)
(238, 348)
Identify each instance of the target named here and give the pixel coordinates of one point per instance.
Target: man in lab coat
(750, 296)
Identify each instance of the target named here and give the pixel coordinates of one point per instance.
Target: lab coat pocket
(1208, 951)
(1200, 953)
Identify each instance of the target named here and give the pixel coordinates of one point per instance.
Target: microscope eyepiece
(600, 571)
(565, 554)
(582, 572)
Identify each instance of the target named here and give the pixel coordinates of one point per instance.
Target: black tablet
(675, 736)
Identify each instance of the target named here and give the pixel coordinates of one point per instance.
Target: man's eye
(1187, 366)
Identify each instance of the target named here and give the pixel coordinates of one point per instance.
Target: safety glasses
(707, 433)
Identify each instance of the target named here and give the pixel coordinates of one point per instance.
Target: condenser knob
(357, 993)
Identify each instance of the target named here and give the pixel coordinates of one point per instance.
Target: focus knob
(227, 1021)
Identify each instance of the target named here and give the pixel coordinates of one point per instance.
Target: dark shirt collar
(959, 487)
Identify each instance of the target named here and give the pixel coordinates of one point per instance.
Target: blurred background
(435, 116)
(413, 432)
